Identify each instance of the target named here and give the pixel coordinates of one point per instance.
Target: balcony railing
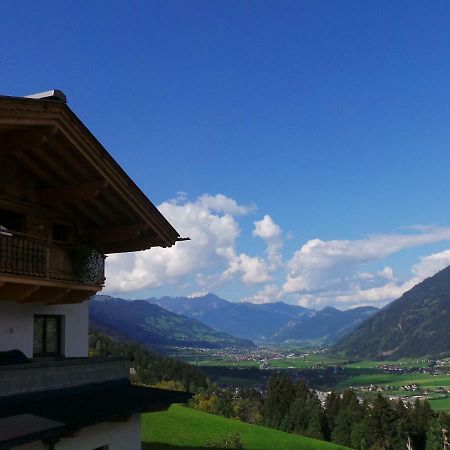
(59, 374)
(29, 256)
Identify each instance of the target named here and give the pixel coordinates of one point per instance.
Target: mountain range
(417, 324)
(151, 325)
(328, 325)
(270, 322)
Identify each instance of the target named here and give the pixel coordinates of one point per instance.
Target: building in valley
(64, 204)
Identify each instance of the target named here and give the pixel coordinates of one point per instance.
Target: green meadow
(402, 363)
(425, 380)
(181, 428)
(227, 363)
(441, 404)
(306, 362)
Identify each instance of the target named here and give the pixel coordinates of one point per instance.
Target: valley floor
(182, 428)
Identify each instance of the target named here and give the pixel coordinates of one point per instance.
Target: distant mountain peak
(265, 322)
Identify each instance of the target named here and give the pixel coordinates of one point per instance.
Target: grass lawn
(184, 428)
(441, 404)
(309, 361)
(227, 363)
(403, 362)
(424, 379)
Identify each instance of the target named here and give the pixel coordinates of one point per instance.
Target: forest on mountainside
(151, 367)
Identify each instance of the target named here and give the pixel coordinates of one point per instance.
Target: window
(60, 232)
(47, 335)
(12, 221)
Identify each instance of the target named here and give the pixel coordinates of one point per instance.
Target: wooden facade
(64, 204)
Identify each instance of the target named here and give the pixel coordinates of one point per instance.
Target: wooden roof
(77, 175)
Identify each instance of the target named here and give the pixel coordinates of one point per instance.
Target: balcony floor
(67, 411)
(35, 290)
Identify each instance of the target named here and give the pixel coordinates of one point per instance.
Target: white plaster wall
(16, 326)
(118, 435)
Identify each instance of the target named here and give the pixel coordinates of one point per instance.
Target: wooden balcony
(32, 269)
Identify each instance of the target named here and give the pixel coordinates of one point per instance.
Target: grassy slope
(185, 428)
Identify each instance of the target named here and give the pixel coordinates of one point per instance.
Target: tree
(277, 403)
(435, 438)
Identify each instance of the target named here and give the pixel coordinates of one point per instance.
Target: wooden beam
(14, 292)
(133, 245)
(73, 193)
(117, 233)
(25, 139)
(73, 296)
(19, 280)
(36, 168)
(45, 294)
(32, 290)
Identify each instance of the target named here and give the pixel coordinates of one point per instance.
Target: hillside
(191, 429)
(267, 323)
(328, 325)
(154, 326)
(151, 367)
(416, 324)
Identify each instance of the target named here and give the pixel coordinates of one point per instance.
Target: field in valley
(405, 371)
(423, 379)
(309, 361)
(430, 382)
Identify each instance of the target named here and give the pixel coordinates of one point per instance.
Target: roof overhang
(77, 174)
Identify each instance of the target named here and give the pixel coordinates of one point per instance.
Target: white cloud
(359, 295)
(253, 270)
(270, 232)
(320, 264)
(352, 298)
(266, 228)
(318, 274)
(197, 294)
(221, 204)
(213, 240)
(429, 265)
(270, 293)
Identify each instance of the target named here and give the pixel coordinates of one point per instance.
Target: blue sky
(330, 117)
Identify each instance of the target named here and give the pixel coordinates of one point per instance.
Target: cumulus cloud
(320, 264)
(213, 229)
(359, 294)
(356, 296)
(271, 233)
(269, 294)
(252, 270)
(319, 273)
(222, 204)
(210, 222)
(429, 265)
(267, 229)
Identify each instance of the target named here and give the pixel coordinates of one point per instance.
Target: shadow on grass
(158, 446)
